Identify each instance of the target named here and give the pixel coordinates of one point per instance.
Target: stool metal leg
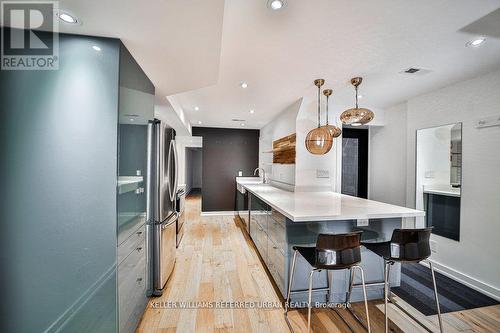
(436, 297)
(351, 283)
(389, 281)
(309, 304)
(387, 266)
(364, 295)
(290, 283)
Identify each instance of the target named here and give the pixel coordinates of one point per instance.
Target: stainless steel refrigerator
(162, 161)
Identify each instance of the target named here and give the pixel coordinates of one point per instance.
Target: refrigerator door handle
(172, 162)
(169, 161)
(176, 171)
(149, 173)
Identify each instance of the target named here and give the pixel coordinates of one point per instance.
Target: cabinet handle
(275, 247)
(139, 249)
(139, 233)
(139, 279)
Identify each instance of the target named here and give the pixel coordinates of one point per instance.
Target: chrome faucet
(263, 174)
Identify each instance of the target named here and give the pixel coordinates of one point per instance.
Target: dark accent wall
(225, 152)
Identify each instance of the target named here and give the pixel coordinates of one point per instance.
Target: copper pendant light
(319, 141)
(334, 130)
(357, 116)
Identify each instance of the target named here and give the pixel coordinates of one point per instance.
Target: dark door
(355, 162)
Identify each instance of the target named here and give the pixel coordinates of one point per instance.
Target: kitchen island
(281, 219)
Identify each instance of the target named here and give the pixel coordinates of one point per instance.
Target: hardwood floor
(218, 262)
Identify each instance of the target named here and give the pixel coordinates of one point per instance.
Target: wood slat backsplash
(284, 150)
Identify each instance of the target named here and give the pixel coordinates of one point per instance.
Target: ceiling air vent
(415, 71)
(238, 120)
(412, 70)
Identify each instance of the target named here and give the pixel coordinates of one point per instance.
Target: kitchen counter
(443, 190)
(241, 181)
(326, 206)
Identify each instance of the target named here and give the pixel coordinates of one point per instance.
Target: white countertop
(326, 206)
(443, 190)
(241, 181)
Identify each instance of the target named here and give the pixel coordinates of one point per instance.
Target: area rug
(416, 289)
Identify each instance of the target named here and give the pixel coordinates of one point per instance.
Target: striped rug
(416, 289)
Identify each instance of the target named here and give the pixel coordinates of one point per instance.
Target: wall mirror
(439, 178)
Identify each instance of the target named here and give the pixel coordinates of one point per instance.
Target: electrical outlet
(138, 172)
(321, 173)
(434, 246)
(362, 222)
(240, 173)
(429, 174)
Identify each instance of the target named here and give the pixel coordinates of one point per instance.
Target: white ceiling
(198, 51)
(176, 42)
(280, 53)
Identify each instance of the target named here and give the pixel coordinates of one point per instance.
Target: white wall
(300, 118)
(473, 260)
(284, 124)
(476, 255)
(308, 164)
(387, 166)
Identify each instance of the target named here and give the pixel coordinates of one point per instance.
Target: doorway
(355, 162)
(194, 161)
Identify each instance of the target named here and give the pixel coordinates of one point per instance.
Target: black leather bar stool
(406, 245)
(332, 252)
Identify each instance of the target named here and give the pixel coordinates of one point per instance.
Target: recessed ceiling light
(197, 108)
(244, 85)
(199, 122)
(252, 111)
(131, 119)
(360, 96)
(276, 4)
(97, 48)
(476, 42)
(242, 124)
(67, 18)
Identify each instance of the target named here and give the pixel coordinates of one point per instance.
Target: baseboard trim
(467, 280)
(219, 213)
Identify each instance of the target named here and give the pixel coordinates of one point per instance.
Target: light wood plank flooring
(218, 262)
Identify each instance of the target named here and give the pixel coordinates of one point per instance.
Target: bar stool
(332, 252)
(406, 245)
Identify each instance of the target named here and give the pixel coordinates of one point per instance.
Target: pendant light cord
(327, 97)
(356, 97)
(319, 106)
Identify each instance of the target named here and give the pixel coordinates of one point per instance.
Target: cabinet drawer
(132, 243)
(276, 265)
(276, 257)
(261, 242)
(261, 219)
(278, 217)
(132, 290)
(276, 232)
(127, 229)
